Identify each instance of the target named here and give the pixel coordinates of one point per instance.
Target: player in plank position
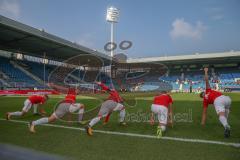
(68, 105)
(113, 103)
(221, 103)
(34, 100)
(162, 106)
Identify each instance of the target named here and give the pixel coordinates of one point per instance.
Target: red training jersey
(36, 99)
(72, 91)
(210, 96)
(114, 95)
(163, 99)
(70, 98)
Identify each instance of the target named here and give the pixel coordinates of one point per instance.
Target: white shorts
(119, 107)
(109, 106)
(222, 103)
(161, 111)
(27, 105)
(74, 107)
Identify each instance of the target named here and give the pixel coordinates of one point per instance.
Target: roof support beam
(15, 40)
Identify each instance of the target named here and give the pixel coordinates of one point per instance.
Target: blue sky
(156, 27)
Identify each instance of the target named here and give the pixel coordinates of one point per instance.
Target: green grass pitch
(77, 145)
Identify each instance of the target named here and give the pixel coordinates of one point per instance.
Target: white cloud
(218, 17)
(215, 9)
(216, 13)
(10, 8)
(183, 29)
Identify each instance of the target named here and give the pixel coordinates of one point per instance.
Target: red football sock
(107, 118)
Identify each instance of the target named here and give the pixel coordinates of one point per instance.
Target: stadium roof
(21, 38)
(211, 58)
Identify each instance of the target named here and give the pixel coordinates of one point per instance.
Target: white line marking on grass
(138, 135)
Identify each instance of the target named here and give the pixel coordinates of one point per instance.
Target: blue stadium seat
(17, 77)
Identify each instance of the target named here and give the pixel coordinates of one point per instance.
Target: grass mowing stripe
(137, 135)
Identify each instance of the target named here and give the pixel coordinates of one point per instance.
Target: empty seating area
(17, 78)
(37, 69)
(220, 77)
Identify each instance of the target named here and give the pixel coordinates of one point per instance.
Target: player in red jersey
(162, 106)
(34, 100)
(68, 105)
(113, 103)
(221, 104)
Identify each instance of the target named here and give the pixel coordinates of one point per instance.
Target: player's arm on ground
(170, 115)
(170, 111)
(206, 78)
(204, 114)
(152, 118)
(41, 107)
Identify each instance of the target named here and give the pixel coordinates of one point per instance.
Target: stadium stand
(221, 77)
(184, 71)
(17, 78)
(37, 69)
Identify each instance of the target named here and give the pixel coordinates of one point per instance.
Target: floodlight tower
(112, 17)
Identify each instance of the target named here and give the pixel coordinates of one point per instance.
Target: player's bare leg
(40, 121)
(227, 111)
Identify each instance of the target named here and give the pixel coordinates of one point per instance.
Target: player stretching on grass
(68, 105)
(162, 106)
(114, 103)
(34, 100)
(221, 103)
